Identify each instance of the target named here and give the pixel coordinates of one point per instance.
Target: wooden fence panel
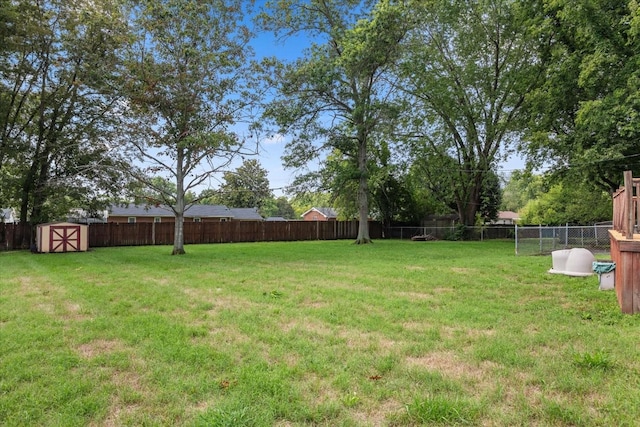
(139, 234)
(16, 236)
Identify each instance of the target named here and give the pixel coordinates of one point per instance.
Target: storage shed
(62, 237)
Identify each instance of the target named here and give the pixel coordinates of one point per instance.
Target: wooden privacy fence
(16, 236)
(140, 234)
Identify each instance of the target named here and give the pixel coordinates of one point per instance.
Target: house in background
(320, 214)
(81, 216)
(506, 218)
(275, 219)
(197, 213)
(246, 214)
(8, 216)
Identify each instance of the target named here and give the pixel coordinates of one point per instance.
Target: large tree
(552, 208)
(584, 120)
(188, 73)
(468, 68)
(58, 105)
(278, 207)
(521, 187)
(245, 187)
(335, 97)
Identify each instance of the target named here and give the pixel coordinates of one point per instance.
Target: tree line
(407, 106)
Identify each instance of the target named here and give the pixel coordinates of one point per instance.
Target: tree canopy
(246, 187)
(334, 98)
(555, 207)
(187, 72)
(468, 67)
(584, 120)
(58, 108)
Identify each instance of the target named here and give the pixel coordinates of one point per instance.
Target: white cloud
(274, 139)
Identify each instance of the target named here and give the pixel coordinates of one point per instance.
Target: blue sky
(272, 148)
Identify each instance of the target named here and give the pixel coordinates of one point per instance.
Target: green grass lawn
(311, 333)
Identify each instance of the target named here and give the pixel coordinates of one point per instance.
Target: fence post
(516, 231)
(629, 220)
(540, 236)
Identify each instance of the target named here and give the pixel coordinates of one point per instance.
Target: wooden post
(636, 211)
(628, 189)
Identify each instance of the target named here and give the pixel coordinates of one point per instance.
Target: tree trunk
(468, 208)
(178, 236)
(363, 197)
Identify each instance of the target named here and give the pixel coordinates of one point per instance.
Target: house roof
(6, 213)
(246, 214)
(203, 211)
(275, 218)
(508, 215)
(326, 212)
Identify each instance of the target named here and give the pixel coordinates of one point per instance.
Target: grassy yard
(311, 333)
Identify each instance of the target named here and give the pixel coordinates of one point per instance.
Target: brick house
(320, 214)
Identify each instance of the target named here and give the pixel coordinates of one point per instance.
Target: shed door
(64, 238)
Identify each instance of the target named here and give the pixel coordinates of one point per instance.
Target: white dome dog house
(572, 262)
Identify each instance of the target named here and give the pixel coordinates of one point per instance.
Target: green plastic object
(602, 267)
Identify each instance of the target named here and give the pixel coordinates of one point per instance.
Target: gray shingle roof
(202, 211)
(246, 214)
(7, 214)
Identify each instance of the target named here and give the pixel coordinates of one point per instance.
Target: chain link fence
(529, 240)
(540, 240)
(453, 232)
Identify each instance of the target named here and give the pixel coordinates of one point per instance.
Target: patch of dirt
(314, 327)
(98, 347)
(74, 312)
(318, 390)
(125, 381)
(314, 304)
(363, 340)
(417, 326)
(377, 416)
(415, 295)
(449, 365)
(462, 270)
(441, 290)
(31, 286)
(216, 299)
(116, 414)
(452, 332)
